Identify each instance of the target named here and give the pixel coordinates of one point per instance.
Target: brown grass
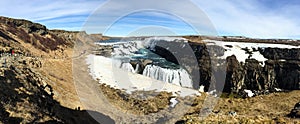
(272, 108)
(136, 105)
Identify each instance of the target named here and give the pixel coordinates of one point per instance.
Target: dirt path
(92, 98)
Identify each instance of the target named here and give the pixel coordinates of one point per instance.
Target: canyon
(229, 67)
(37, 78)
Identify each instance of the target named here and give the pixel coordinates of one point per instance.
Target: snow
(201, 89)
(240, 54)
(277, 89)
(249, 93)
(213, 93)
(102, 68)
(166, 39)
(173, 102)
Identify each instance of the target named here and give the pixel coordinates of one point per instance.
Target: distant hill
(35, 74)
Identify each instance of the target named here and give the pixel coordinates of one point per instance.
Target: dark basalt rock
(280, 53)
(295, 112)
(141, 63)
(183, 53)
(253, 76)
(281, 70)
(234, 77)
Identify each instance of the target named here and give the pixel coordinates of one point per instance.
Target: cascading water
(128, 48)
(175, 76)
(160, 69)
(123, 65)
(128, 67)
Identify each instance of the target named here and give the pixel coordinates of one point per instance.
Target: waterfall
(128, 67)
(178, 77)
(151, 42)
(123, 65)
(127, 48)
(136, 68)
(130, 49)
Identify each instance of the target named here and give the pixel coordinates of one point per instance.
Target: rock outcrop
(27, 96)
(280, 71)
(295, 112)
(30, 94)
(275, 74)
(280, 53)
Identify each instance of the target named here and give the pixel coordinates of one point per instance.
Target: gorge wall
(281, 70)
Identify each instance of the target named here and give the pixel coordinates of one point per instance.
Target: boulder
(295, 112)
(297, 106)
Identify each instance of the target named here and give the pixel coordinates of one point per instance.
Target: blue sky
(252, 18)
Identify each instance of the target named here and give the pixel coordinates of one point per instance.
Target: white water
(178, 77)
(127, 49)
(123, 48)
(101, 68)
(128, 67)
(151, 42)
(174, 76)
(125, 66)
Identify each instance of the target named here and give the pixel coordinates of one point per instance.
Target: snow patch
(242, 55)
(213, 93)
(173, 102)
(102, 68)
(201, 89)
(249, 93)
(277, 90)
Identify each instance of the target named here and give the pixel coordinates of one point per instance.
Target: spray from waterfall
(130, 49)
(178, 77)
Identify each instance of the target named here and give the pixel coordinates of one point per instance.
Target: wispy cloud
(185, 11)
(252, 18)
(53, 13)
(138, 21)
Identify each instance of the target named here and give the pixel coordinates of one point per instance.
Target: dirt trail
(92, 98)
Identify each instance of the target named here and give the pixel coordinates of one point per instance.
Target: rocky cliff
(281, 70)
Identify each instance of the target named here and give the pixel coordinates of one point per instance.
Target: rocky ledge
(295, 113)
(280, 70)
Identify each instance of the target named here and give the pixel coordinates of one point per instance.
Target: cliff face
(281, 70)
(283, 74)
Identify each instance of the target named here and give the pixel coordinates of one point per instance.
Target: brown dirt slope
(37, 80)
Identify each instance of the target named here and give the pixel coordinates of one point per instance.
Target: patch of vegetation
(135, 104)
(230, 95)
